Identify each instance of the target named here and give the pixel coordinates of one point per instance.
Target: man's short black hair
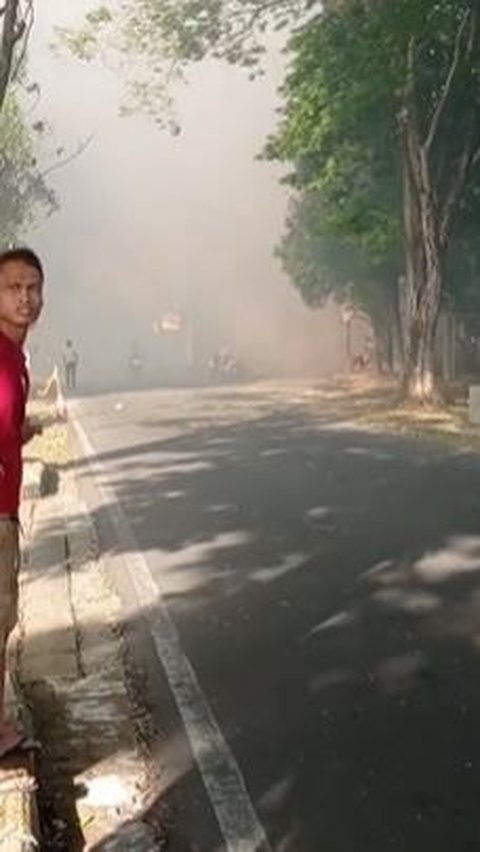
(22, 255)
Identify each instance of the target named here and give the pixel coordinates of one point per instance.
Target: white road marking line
(222, 778)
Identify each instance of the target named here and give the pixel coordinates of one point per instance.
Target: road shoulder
(71, 666)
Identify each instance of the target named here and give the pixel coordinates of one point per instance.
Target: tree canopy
(163, 37)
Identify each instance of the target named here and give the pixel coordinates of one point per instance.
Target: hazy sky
(149, 221)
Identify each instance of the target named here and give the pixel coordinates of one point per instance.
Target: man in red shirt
(21, 301)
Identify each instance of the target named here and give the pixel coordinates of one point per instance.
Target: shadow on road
(325, 584)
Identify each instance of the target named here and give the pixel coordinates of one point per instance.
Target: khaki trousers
(9, 570)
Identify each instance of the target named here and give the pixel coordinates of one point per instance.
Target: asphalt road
(324, 583)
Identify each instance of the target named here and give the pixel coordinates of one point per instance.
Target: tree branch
(408, 123)
(15, 27)
(27, 24)
(66, 160)
(7, 44)
(471, 16)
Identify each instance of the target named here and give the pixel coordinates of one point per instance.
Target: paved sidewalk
(70, 664)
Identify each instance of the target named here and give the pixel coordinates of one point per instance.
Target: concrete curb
(67, 593)
(39, 480)
(33, 477)
(19, 822)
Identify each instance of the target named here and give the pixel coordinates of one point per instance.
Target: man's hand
(30, 429)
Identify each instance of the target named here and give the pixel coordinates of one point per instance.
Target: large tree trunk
(420, 382)
(384, 344)
(424, 275)
(422, 309)
(348, 344)
(430, 209)
(394, 330)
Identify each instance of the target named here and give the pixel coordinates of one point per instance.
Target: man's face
(21, 295)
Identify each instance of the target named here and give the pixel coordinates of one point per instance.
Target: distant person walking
(70, 365)
(135, 361)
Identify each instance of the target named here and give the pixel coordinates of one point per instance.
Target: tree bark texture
(12, 28)
(424, 270)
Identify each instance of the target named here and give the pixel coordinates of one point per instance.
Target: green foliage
(84, 42)
(24, 194)
(322, 265)
(191, 30)
(152, 41)
(352, 73)
(339, 135)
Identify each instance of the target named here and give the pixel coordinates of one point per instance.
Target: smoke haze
(150, 223)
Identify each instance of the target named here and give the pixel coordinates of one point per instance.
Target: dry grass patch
(375, 404)
(53, 446)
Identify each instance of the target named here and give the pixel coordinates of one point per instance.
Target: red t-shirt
(14, 386)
